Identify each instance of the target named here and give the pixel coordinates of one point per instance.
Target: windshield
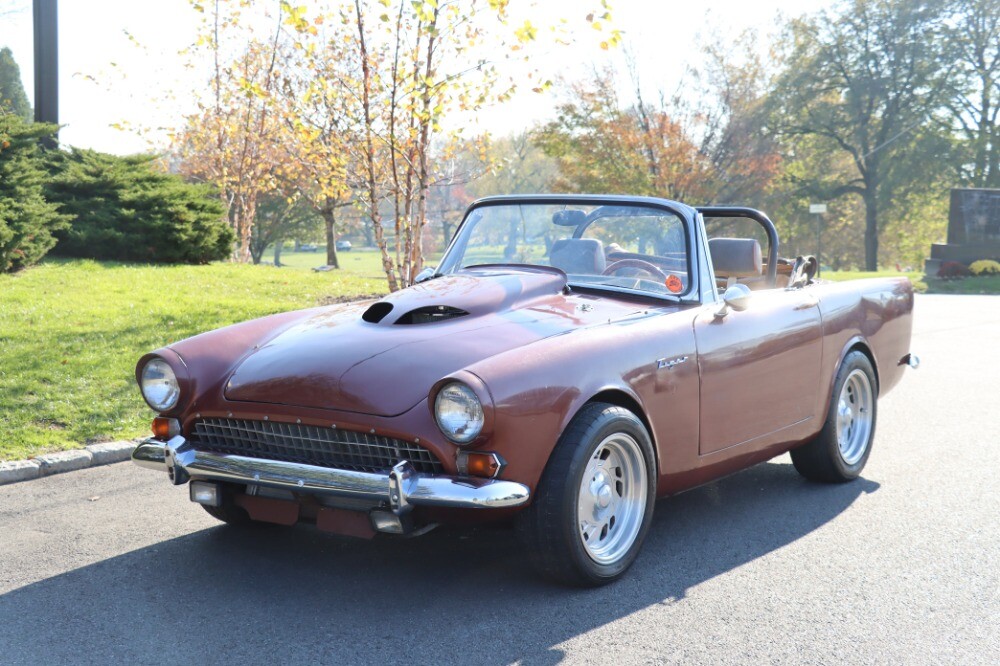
(631, 247)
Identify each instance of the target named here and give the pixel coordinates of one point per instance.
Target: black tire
(550, 527)
(230, 514)
(824, 458)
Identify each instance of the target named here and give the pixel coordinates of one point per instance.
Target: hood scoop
(475, 293)
(377, 312)
(429, 314)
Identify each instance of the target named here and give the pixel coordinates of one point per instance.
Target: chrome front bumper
(401, 488)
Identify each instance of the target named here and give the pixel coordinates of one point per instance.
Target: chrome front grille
(310, 445)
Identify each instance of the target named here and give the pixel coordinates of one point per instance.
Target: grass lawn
(71, 332)
(916, 277)
(363, 261)
(986, 284)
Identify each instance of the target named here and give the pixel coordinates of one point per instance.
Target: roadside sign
(817, 208)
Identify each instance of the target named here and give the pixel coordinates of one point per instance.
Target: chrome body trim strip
(401, 488)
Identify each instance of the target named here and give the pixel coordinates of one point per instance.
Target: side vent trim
(431, 315)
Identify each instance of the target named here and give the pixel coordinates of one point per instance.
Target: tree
(402, 67)
(707, 152)
(12, 96)
(973, 35)
(232, 140)
(601, 145)
(125, 209)
(728, 115)
(866, 82)
(316, 112)
(27, 220)
(406, 84)
(482, 167)
(280, 218)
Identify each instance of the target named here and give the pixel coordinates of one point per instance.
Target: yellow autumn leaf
(526, 32)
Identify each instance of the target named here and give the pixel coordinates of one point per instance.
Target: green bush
(27, 220)
(124, 209)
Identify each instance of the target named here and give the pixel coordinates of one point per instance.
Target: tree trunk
(257, 252)
(510, 252)
(330, 220)
(244, 228)
(278, 245)
(991, 176)
(871, 230)
(369, 155)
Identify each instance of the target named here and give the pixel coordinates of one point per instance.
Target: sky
(119, 63)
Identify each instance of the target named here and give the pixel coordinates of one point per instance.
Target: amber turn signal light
(164, 428)
(477, 463)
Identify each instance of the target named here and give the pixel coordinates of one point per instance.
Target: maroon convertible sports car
(569, 360)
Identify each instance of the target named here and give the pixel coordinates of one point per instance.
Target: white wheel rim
(611, 501)
(854, 417)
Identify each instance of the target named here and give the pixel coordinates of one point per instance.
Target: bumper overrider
(400, 489)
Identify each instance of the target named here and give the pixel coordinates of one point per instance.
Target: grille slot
(310, 445)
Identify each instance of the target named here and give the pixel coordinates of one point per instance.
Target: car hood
(382, 358)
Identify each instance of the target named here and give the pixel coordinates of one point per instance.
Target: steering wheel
(652, 269)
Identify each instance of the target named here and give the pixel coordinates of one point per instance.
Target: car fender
(540, 388)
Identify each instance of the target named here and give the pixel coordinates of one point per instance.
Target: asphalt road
(113, 565)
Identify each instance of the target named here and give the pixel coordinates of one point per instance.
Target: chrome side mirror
(736, 297)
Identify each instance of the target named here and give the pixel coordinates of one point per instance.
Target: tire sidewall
(607, 422)
(853, 361)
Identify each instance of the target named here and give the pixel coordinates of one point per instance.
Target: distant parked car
(308, 247)
(343, 246)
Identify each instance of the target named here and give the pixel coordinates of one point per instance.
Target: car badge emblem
(669, 363)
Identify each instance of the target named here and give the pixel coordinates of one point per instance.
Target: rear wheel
(594, 503)
(841, 449)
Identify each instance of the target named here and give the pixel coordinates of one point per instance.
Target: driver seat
(580, 256)
(736, 260)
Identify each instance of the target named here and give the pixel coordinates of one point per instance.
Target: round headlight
(159, 385)
(459, 413)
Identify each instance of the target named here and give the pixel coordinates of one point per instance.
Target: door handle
(809, 302)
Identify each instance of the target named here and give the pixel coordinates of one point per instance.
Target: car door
(759, 369)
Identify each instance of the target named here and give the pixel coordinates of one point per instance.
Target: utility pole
(46, 26)
(818, 209)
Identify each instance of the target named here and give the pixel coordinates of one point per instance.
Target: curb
(91, 455)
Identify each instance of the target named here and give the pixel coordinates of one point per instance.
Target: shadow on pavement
(276, 595)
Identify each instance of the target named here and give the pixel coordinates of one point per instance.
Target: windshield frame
(686, 215)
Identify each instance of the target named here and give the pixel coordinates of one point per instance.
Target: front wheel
(841, 449)
(230, 514)
(594, 502)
